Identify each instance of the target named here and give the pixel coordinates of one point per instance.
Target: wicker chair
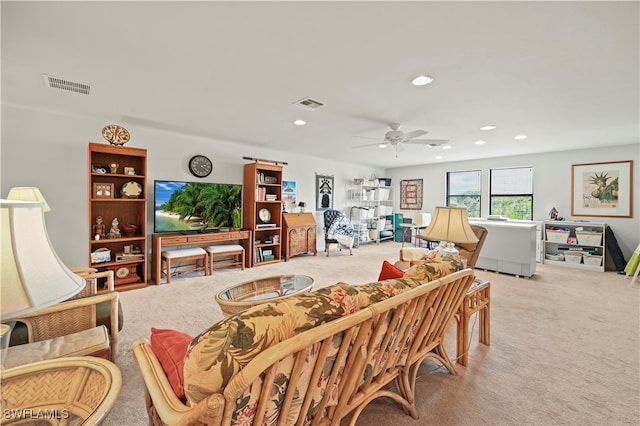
(74, 390)
(70, 317)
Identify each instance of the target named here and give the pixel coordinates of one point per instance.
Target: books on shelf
(262, 254)
(121, 256)
(265, 225)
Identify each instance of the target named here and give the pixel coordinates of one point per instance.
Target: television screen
(194, 206)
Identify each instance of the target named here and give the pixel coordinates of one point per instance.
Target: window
(511, 193)
(463, 190)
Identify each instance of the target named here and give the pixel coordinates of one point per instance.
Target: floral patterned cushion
(221, 351)
(433, 269)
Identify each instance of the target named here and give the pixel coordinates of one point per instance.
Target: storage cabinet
(117, 187)
(575, 244)
(298, 234)
(262, 210)
(370, 209)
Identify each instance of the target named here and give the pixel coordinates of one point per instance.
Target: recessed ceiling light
(382, 145)
(488, 127)
(299, 122)
(422, 80)
(520, 137)
(479, 142)
(446, 147)
(438, 157)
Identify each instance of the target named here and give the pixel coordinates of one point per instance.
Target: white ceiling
(564, 73)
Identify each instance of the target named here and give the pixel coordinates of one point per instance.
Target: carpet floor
(565, 344)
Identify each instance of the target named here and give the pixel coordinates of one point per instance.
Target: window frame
(513, 195)
(449, 195)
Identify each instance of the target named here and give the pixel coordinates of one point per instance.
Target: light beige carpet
(565, 347)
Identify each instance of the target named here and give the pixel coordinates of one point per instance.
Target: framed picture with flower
(602, 189)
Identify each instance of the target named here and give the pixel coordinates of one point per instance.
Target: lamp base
(5, 335)
(450, 250)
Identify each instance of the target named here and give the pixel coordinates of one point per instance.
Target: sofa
(316, 358)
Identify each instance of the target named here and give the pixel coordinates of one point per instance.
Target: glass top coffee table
(269, 289)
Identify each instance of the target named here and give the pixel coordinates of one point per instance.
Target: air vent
(68, 85)
(308, 104)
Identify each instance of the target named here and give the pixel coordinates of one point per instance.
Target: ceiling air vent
(68, 85)
(308, 104)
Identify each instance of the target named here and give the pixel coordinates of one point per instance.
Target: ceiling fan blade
(414, 134)
(367, 137)
(429, 142)
(369, 144)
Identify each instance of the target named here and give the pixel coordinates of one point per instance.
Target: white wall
(48, 150)
(551, 185)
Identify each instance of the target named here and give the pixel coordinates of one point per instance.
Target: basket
(592, 260)
(589, 238)
(555, 236)
(558, 257)
(573, 256)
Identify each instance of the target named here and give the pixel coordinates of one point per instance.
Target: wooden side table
(478, 299)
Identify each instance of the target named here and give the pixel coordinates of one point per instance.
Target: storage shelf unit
(370, 210)
(561, 237)
(130, 269)
(262, 192)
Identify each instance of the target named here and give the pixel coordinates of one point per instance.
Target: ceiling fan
(396, 138)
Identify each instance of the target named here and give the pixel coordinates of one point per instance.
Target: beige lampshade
(32, 276)
(28, 193)
(450, 224)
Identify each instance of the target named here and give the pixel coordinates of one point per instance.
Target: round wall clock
(264, 215)
(115, 135)
(200, 166)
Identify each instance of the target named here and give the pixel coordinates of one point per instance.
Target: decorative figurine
(115, 229)
(98, 228)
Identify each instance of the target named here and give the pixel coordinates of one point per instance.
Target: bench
(226, 250)
(185, 254)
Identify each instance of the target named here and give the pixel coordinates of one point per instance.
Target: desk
(164, 240)
(412, 231)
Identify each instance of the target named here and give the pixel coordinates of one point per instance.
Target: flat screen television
(196, 207)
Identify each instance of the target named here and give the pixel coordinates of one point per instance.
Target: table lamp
(28, 193)
(32, 276)
(302, 206)
(451, 225)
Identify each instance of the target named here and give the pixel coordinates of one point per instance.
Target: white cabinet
(370, 209)
(510, 247)
(575, 244)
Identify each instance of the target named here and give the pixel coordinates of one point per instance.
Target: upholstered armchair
(337, 230)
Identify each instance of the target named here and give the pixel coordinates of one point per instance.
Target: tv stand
(194, 238)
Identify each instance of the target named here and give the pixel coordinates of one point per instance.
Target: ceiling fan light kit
(397, 138)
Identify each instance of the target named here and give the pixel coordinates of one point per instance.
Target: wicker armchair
(78, 318)
(78, 390)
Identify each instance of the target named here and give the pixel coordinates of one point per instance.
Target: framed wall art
(103, 190)
(411, 194)
(602, 189)
(324, 192)
(289, 193)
